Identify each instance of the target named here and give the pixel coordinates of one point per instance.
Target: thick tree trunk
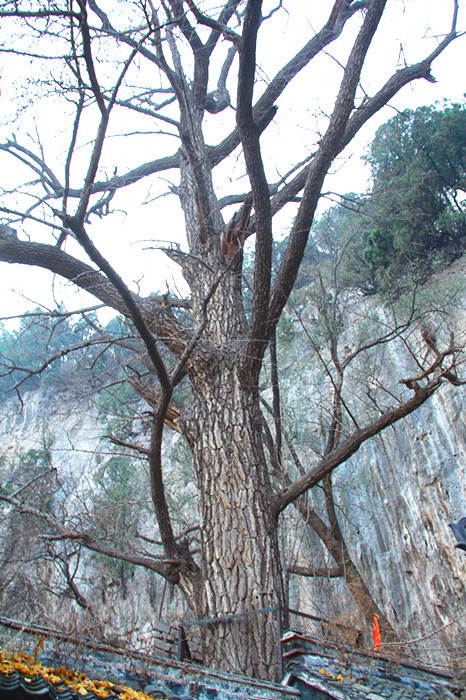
(240, 560)
(240, 564)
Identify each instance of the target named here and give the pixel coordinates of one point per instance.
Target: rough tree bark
(240, 555)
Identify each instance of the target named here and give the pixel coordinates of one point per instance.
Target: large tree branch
(114, 183)
(184, 24)
(369, 107)
(396, 82)
(263, 111)
(156, 309)
(28, 14)
(167, 568)
(285, 75)
(311, 177)
(348, 447)
(329, 148)
(260, 189)
(219, 26)
(315, 572)
(166, 386)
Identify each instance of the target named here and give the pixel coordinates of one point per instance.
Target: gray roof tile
(350, 674)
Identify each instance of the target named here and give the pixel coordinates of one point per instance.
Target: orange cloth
(376, 633)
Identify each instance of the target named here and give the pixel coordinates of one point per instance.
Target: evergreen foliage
(413, 218)
(418, 162)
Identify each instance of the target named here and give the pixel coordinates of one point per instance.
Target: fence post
(179, 643)
(281, 664)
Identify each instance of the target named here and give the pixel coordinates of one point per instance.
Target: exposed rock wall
(396, 495)
(62, 433)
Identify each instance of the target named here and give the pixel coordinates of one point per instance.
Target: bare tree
(346, 334)
(219, 337)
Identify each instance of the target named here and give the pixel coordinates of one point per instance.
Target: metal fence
(320, 629)
(194, 637)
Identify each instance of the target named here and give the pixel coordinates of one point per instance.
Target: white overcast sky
(405, 24)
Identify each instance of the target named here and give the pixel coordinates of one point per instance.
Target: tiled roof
(157, 678)
(23, 676)
(327, 672)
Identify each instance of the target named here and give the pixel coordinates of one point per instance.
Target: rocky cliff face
(65, 438)
(395, 498)
(397, 494)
